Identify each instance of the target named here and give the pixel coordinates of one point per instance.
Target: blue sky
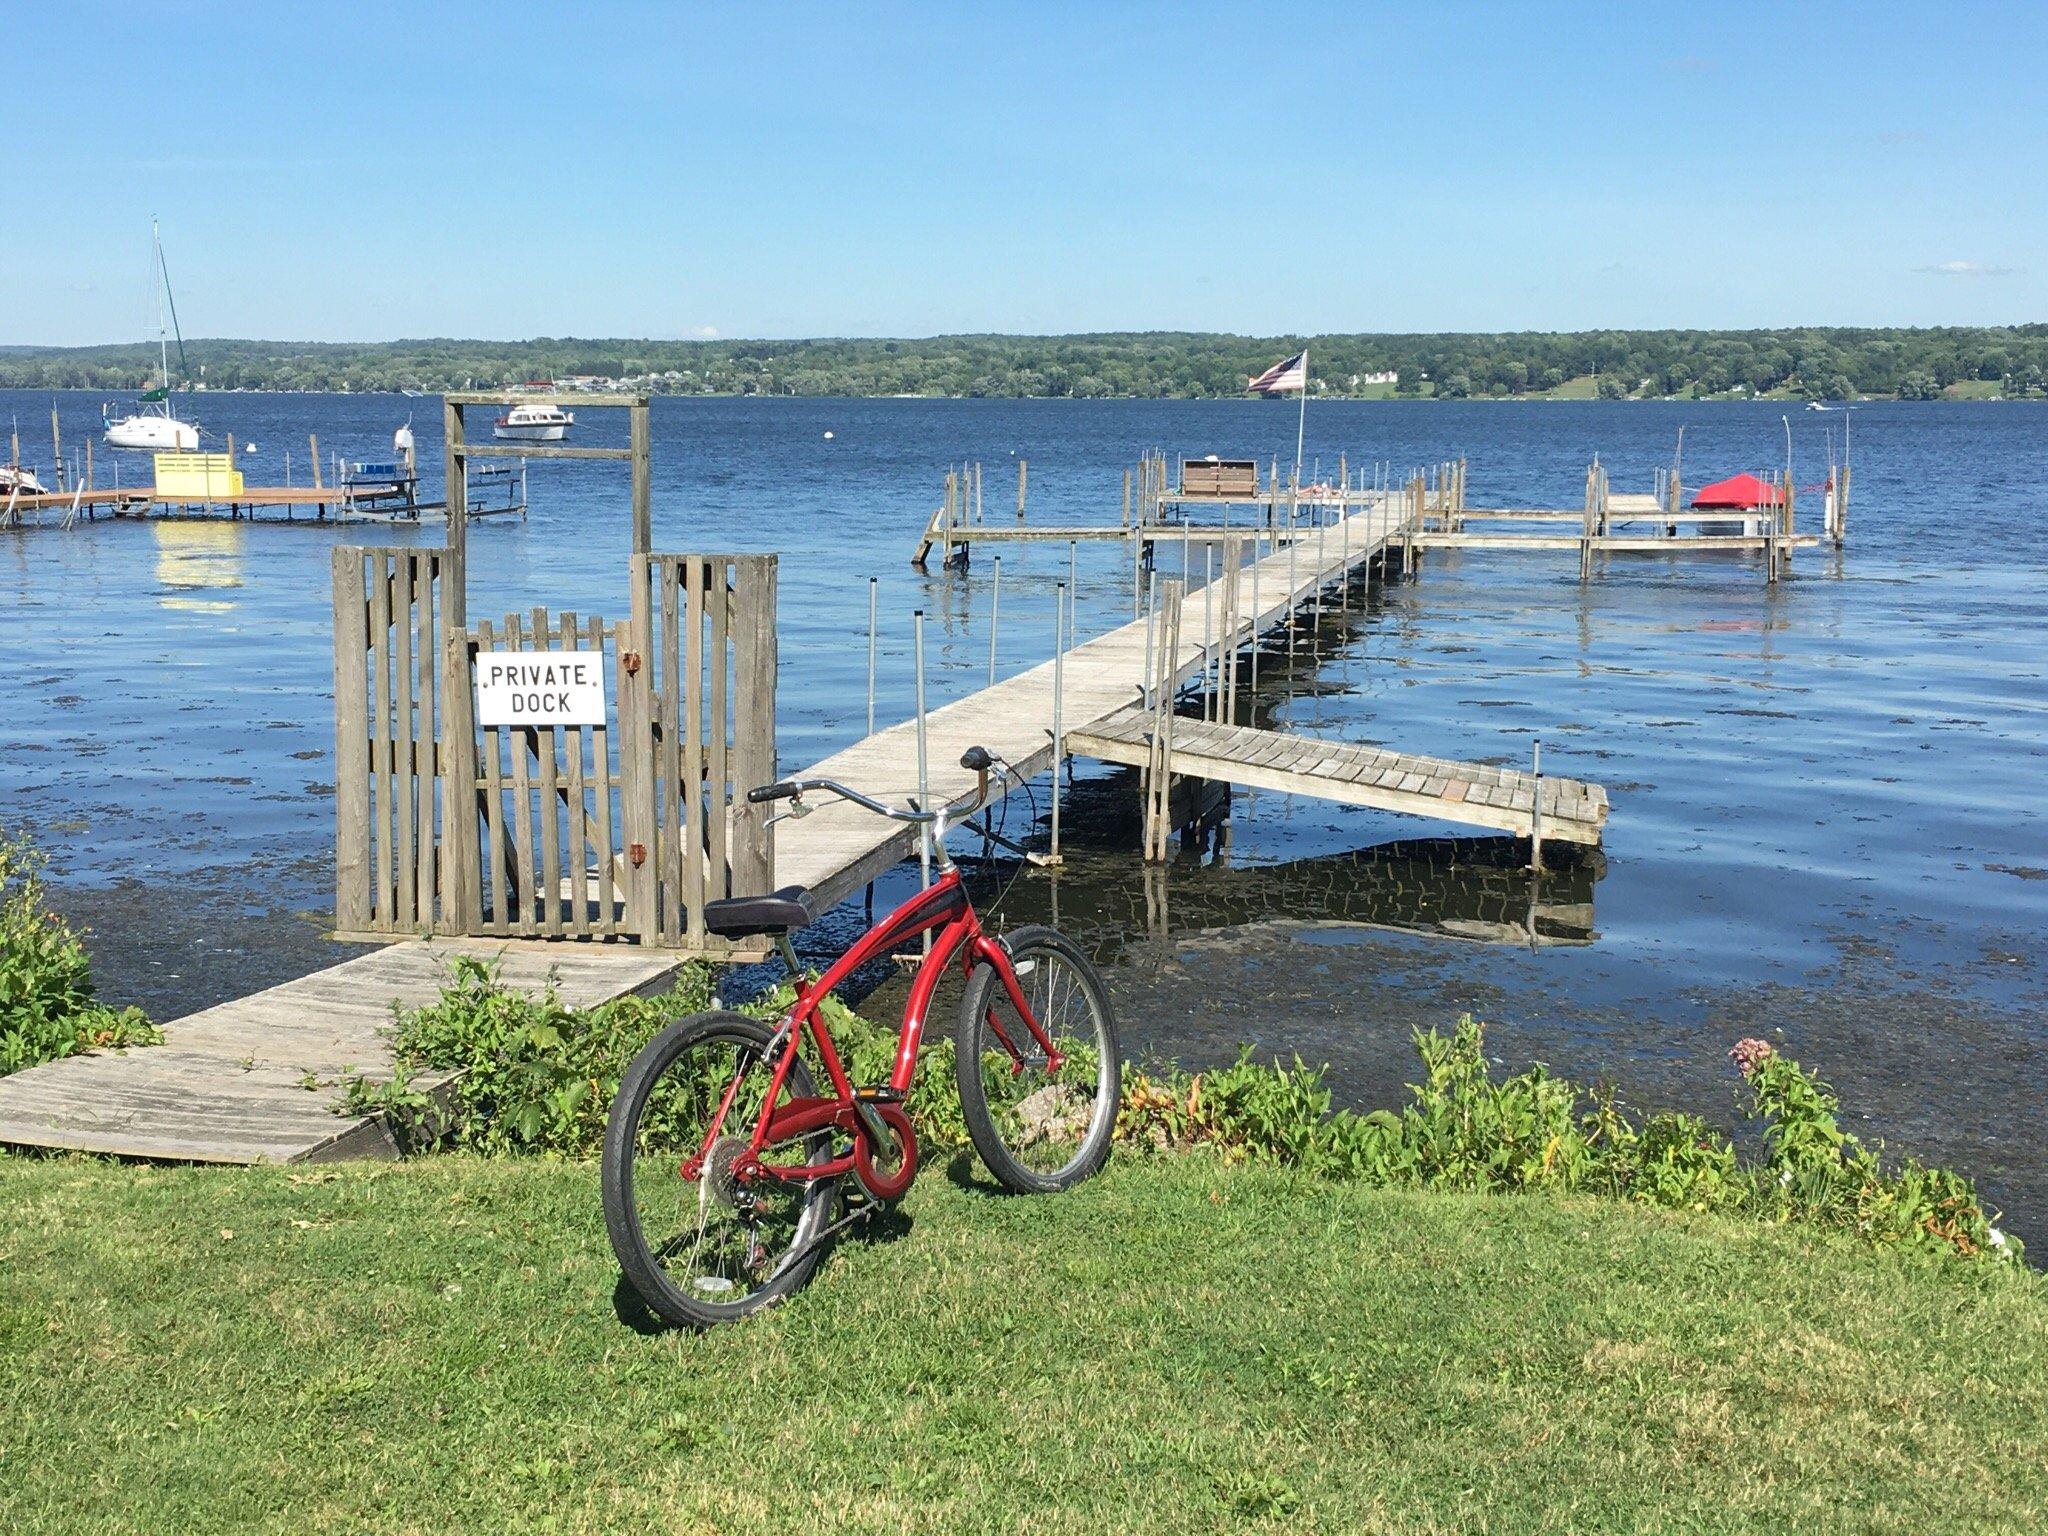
(361, 171)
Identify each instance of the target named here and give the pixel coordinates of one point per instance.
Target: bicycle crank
(884, 1147)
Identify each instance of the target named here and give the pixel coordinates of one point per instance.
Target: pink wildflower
(1750, 1054)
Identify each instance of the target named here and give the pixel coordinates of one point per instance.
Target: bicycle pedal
(878, 1093)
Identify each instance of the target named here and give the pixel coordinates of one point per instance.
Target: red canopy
(1744, 492)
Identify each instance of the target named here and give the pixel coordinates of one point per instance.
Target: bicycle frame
(942, 909)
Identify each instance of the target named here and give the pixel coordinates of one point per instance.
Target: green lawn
(434, 1347)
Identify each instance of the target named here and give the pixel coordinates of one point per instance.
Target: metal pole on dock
(1061, 607)
(1151, 617)
(1293, 584)
(1254, 613)
(874, 586)
(1322, 560)
(1210, 682)
(995, 602)
(924, 841)
(1023, 474)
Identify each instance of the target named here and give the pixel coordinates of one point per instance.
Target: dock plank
(255, 1080)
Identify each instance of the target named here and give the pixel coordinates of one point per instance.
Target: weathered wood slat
(386, 822)
(1472, 794)
(404, 739)
(601, 758)
(351, 742)
(519, 824)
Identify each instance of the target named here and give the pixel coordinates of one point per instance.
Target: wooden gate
(698, 708)
(547, 802)
(616, 831)
(392, 709)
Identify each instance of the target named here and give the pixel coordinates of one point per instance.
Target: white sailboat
(151, 425)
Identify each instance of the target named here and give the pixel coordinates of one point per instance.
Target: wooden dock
(273, 503)
(255, 1080)
(1473, 794)
(837, 848)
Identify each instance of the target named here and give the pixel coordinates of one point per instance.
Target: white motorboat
(18, 477)
(534, 424)
(152, 424)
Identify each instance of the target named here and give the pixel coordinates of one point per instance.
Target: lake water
(1827, 796)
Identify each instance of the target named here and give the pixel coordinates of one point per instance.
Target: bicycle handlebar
(979, 759)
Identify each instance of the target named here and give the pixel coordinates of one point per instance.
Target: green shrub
(533, 1075)
(47, 1005)
(536, 1076)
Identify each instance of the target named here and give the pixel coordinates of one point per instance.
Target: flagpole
(1301, 420)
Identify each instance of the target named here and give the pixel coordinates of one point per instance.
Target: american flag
(1281, 377)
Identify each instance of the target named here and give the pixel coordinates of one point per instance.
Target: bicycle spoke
(1043, 1114)
(721, 1235)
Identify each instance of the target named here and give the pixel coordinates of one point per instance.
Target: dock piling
(1158, 780)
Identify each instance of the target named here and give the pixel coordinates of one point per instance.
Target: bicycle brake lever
(797, 811)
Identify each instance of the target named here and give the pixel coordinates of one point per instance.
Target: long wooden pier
(1104, 684)
(255, 1080)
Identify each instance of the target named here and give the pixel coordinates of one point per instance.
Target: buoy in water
(828, 436)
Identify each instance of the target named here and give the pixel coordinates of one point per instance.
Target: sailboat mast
(156, 286)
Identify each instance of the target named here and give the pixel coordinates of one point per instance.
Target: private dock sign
(540, 688)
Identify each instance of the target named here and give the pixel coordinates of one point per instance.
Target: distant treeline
(1829, 362)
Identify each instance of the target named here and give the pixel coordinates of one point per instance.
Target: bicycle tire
(1038, 952)
(622, 1215)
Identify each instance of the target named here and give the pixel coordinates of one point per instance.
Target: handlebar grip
(976, 760)
(766, 792)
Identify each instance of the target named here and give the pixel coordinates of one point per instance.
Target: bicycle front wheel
(701, 1239)
(1041, 1122)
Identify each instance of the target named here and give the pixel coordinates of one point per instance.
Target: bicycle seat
(785, 911)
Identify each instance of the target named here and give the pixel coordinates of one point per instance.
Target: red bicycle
(724, 1165)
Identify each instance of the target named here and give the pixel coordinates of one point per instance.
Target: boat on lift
(20, 478)
(534, 424)
(153, 425)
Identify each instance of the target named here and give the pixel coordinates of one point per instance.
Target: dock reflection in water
(1476, 889)
(198, 557)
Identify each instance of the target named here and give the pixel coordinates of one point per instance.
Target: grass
(1179, 1346)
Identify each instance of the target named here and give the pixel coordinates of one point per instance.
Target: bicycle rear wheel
(715, 1246)
(1039, 1127)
